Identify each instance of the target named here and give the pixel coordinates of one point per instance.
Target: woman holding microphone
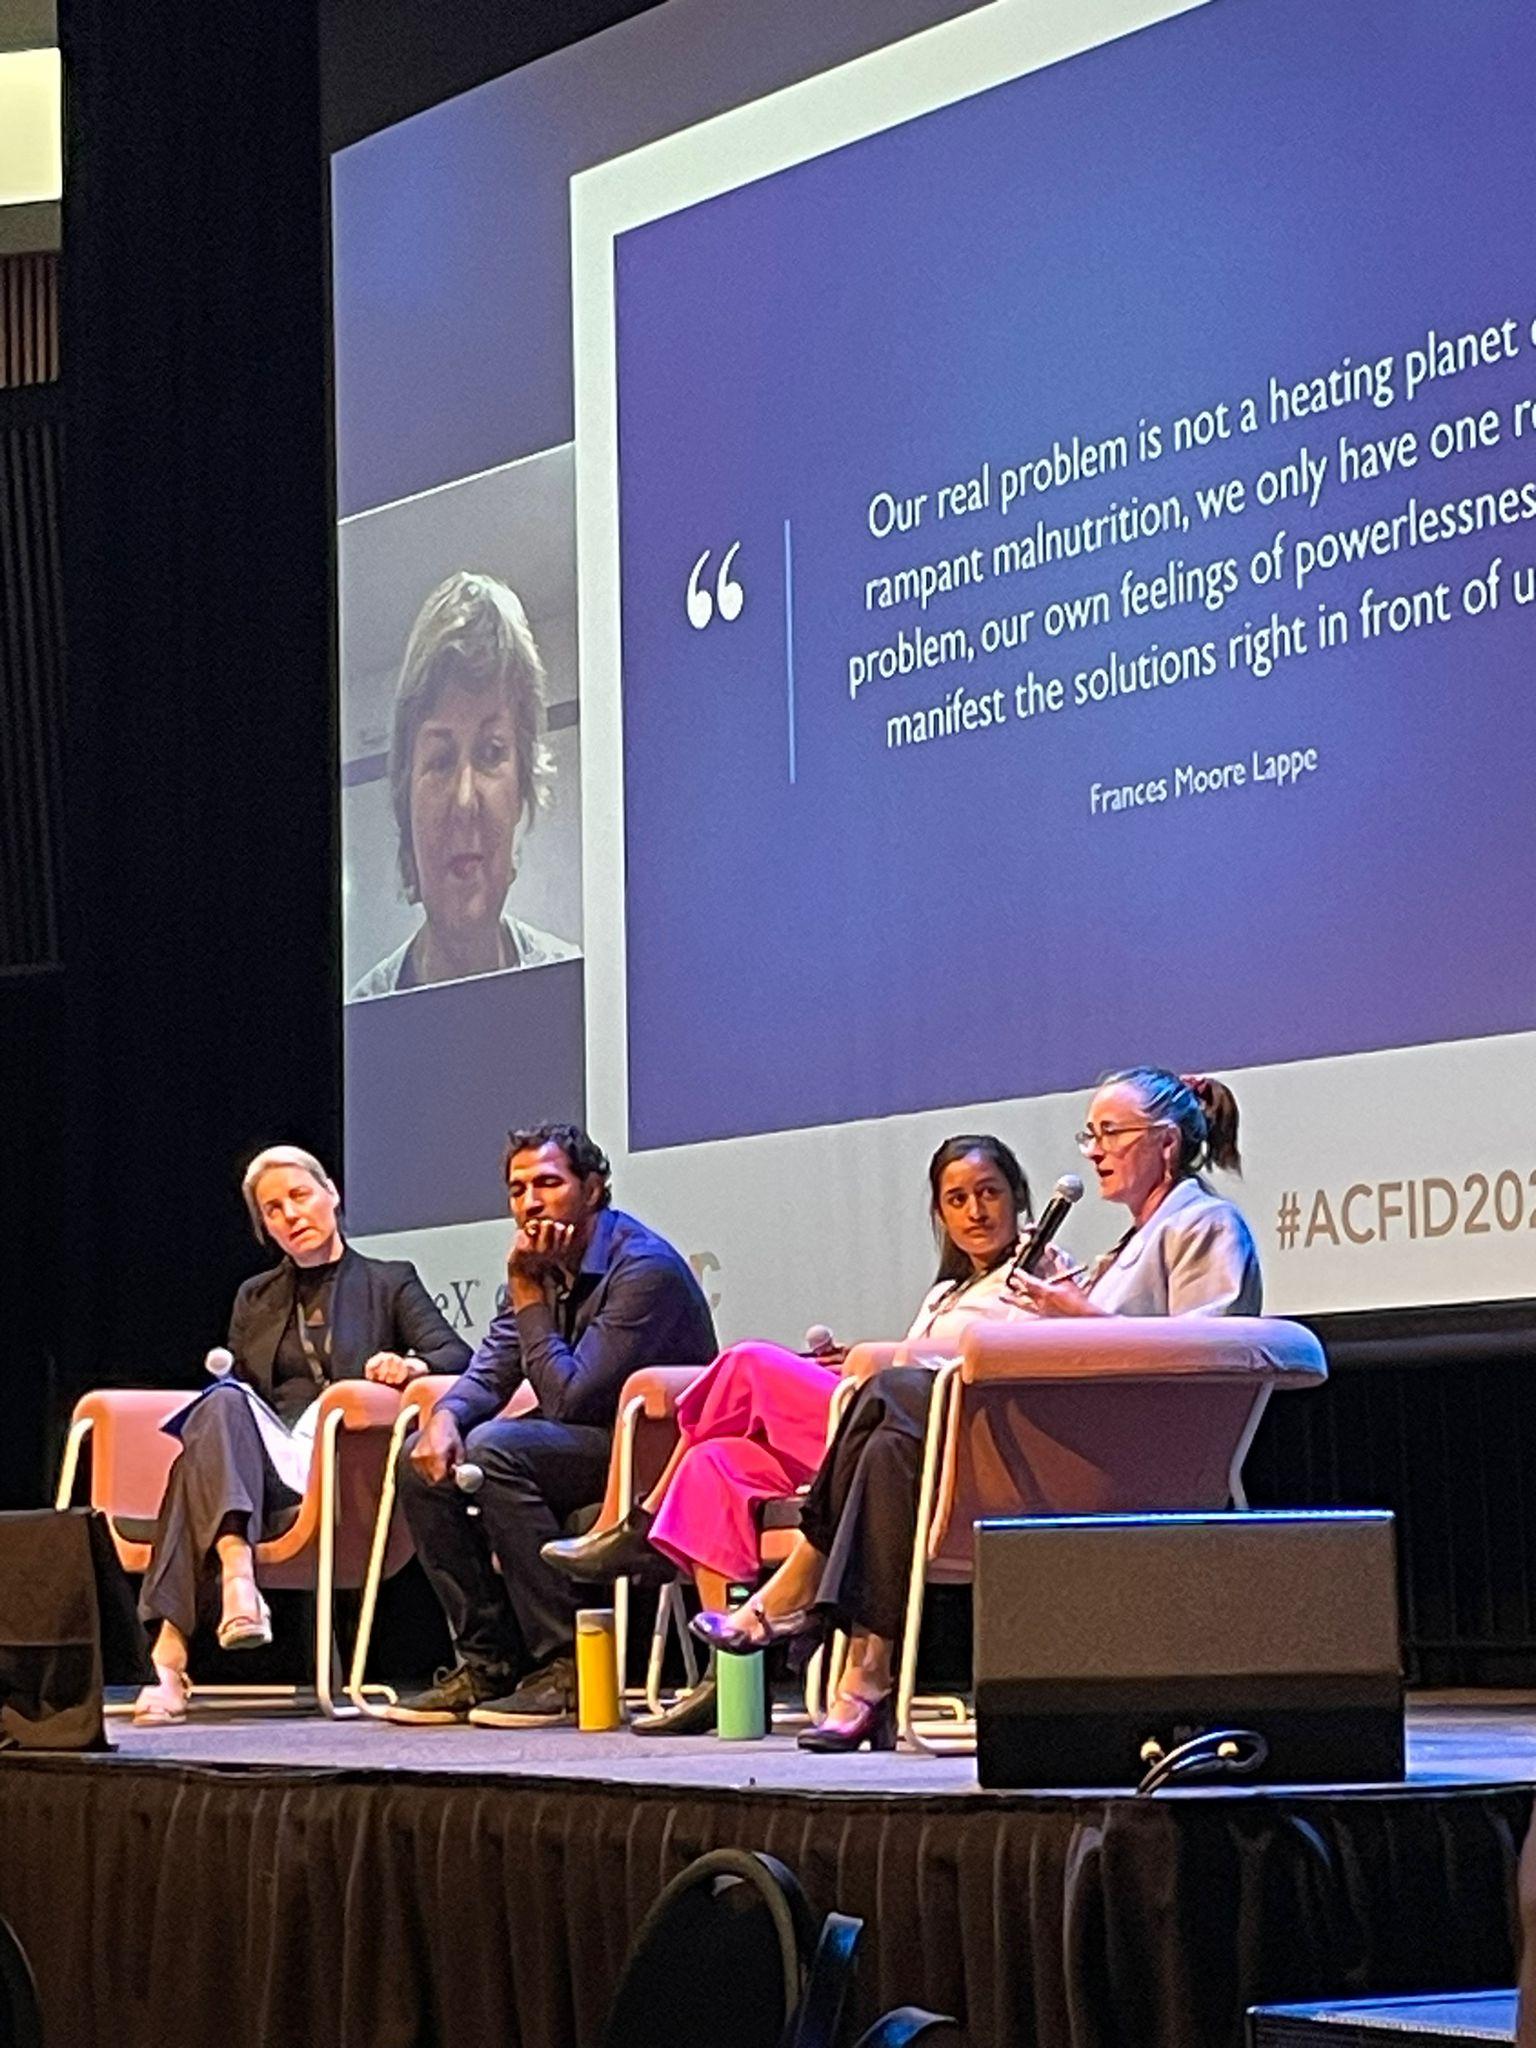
(1149, 1136)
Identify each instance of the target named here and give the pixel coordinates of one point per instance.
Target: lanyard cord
(317, 1360)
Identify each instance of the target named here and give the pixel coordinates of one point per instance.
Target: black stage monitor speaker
(1105, 1642)
(67, 1626)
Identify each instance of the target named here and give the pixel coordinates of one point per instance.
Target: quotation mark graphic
(728, 599)
(1288, 1222)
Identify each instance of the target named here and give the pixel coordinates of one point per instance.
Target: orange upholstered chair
(333, 1541)
(645, 1432)
(643, 1440)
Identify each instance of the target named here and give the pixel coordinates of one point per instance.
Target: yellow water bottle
(597, 1670)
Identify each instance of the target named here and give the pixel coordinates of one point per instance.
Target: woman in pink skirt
(753, 1426)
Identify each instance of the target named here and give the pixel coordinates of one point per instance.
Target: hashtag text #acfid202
(1420, 1208)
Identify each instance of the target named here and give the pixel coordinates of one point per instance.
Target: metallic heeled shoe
(622, 1551)
(246, 1631)
(721, 1633)
(875, 1723)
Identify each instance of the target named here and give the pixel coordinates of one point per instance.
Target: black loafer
(621, 1552)
(692, 1713)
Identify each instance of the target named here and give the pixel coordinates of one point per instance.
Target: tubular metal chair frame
(417, 1403)
(671, 1609)
(671, 1612)
(323, 1485)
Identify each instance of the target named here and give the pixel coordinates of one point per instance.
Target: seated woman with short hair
(1188, 1252)
(323, 1313)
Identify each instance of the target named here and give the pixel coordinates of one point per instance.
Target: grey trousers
(223, 1471)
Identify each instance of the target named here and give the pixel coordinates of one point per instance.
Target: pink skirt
(755, 1424)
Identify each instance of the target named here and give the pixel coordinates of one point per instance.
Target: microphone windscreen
(468, 1478)
(219, 1361)
(819, 1338)
(1069, 1188)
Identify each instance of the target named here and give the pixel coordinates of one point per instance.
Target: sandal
(163, 1704)
(725, 1631)
(247, 1631)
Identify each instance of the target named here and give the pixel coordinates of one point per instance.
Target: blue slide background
(451, 291)
(451, 232)
(1252, 189)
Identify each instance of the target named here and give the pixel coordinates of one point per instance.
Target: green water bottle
(741, 1694)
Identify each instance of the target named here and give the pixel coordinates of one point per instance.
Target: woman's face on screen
(464, 809)
(976, 1208)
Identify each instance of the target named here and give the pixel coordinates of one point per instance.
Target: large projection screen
(1038, 577)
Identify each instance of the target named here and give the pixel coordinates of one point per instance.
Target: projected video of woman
(468, 769)
(461, 776)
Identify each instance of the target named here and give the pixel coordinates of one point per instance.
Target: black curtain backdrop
(402, 1909)
(201, 945)
(31, 1252)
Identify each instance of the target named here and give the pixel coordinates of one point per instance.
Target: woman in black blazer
(323, 1313)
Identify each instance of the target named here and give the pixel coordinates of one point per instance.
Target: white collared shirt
(950, 1305)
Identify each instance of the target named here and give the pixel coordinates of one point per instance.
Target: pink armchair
(1088, 1416)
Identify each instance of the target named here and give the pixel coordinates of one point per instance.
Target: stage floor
(1453, 1739)
(243, 1880)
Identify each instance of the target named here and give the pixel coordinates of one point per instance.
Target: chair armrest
(1140, 1348)
(133, 1407)
(425, 1392)
(131, 1455)
(366, 1404)
(864, 1360)
(659, 1387)
(363, 1404)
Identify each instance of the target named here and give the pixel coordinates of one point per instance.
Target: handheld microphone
(469, 1479)
(219, 1362)
(1068, 1189)
(819, 1340)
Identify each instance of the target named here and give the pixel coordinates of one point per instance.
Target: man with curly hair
(592, 1295)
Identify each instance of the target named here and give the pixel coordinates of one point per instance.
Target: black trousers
(861, 1510)
(537, 1471)
(223, 1470)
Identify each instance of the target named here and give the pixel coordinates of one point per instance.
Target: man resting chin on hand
(592, 1296)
